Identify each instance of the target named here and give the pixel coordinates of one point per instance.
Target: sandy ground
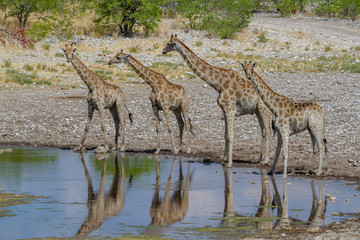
(56, 116)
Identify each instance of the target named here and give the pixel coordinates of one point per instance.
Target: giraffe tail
(325, 142)
(130, 114)
(273, 127)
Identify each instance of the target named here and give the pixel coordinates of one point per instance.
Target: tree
(127, 15)
(21, 9)
(222, 17)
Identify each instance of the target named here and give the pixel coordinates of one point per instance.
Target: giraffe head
(171, 45)
(119, 58)
(69, 51)
(248, 68)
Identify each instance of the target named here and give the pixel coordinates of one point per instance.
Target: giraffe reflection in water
(102, 205)
(265, 217)
(171, 208)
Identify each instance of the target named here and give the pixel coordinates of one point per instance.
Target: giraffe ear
(64, 50)
(254, 65)
(242, 65)
(74, 51)
(176, 35)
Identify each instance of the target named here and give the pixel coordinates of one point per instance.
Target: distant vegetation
(61, 18)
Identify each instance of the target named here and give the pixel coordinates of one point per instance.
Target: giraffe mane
(97, 75)
(208, 64)
(156, 73)
(267, 86)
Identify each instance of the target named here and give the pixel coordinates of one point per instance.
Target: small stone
(314, 229)
(283, 235)
(253, 182)
(347, 200)
(356, 195)
(217, 171)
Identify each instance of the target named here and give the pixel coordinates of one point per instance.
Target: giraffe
(101, 96)
(164, 96)
(291, 117)
(236, 97)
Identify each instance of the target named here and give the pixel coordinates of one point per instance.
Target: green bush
(218, 17)
(126, 16)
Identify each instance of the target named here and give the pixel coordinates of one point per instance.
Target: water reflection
(229, 199)
(265, 201)
(318, 209)
(272, 211)
(171, 208)
(102, 205)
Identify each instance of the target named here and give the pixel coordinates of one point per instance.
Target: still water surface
(166, 196)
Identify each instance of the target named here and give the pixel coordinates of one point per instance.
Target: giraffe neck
(199, 66)
(269, 97)
(89, 77)
(149, 76)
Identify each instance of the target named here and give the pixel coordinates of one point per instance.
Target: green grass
(41, 66)
(46, 46)
(12, 199)
(7, 63)
(262, 38)
(27, 67)
(104, 74)
(59, 54)
(21, 78)
(43, 82)
(106, 52)
(133, 50)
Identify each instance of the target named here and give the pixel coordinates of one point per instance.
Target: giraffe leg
(185, 112)
(277, 154)
(315, 151)
(188, 127)
(286, 153)
(103, 126)
(87, 127)
(157, 118)
(114, 114)
(180, 121)
(321, 147)
(226, 150)
(264, 122)
(170, 129)
(120, 108)
(230, 123)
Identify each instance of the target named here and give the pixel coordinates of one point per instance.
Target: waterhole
(119, 195)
